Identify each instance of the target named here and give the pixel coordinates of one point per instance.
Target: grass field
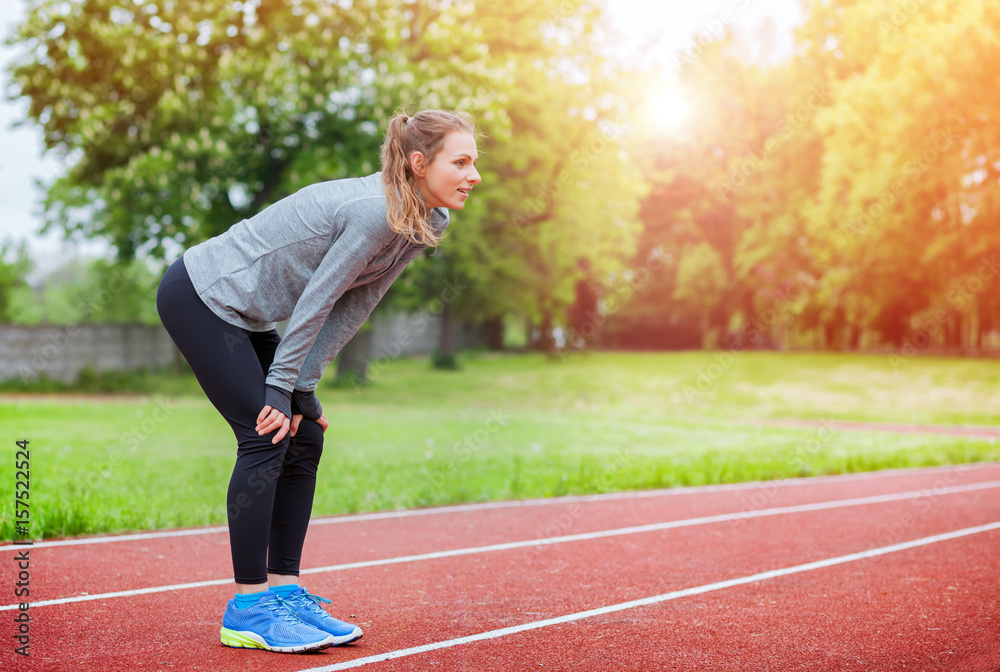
(504, 427)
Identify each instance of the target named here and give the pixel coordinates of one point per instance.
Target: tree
(844, 197)
(15, 264)
(910, 169)
(183, 118)
(695, 226)
(565, 188)
(89, 290)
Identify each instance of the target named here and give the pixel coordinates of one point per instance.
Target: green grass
(595, 422)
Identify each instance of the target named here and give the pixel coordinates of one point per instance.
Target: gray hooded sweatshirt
(322, 259)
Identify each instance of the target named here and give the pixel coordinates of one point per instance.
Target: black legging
(271, 490)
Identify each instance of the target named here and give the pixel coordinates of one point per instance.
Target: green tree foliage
(89, 290)
(15, 265)
(181, 118)
(845, 196)
(848, 193)
(694, 214)
(566, 193)
(909, 173)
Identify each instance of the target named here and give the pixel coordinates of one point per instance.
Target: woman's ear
(417, 164)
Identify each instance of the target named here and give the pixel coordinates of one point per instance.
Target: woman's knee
(255, 451)
(307, 444)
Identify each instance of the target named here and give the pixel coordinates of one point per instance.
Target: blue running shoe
(271, 625)
(306, 606)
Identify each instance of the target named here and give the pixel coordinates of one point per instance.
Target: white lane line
(486, 506)
(122, 537)
(632, 604)
(548, 541)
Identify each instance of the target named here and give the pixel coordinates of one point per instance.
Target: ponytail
(424, 132)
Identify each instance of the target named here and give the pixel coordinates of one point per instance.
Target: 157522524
(22, 522)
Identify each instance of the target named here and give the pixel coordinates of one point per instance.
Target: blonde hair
(424, 132)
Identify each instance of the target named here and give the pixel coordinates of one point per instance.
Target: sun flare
(669, 109)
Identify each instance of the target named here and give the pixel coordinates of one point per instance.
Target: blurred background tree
(88, 290)
(180, 119)
(842, 195)
(14, 268)
(843, 198)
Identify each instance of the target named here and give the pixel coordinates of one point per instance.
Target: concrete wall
(61, 351)
(417, 333)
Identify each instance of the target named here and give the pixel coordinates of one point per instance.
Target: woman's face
(446, 181)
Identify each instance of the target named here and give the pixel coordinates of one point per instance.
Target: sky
(672, 24)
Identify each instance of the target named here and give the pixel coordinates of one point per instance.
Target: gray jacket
(321, 258)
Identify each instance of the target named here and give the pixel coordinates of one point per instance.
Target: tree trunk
(444, 355)
(830, 335)
(546, 340)
(352, 361)
(583, 316)
(446, 342)
(853, 337)
(953, 331)
(492, 331)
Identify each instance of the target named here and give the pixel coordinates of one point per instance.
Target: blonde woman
(321, 258)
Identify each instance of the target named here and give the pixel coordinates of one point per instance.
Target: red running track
(886, 571)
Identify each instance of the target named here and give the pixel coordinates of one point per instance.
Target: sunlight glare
(669, 109)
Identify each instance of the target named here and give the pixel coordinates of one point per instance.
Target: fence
(60, 352)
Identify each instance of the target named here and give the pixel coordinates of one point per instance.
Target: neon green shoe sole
(244, 639)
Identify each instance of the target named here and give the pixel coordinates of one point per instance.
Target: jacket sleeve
(346, 318)
(348, 256)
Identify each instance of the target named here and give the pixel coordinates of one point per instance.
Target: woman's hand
(296, 419)
(270, 419)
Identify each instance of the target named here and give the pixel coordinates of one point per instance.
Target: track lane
(728, 628)
(129, 565)
(459, 596)
(839, 619)
(945, 474)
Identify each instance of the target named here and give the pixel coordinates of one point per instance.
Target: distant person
(322, 259)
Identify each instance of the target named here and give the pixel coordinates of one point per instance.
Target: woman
(321, 258)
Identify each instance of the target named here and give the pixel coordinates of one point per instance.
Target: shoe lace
(308, 600)
(282, 608)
